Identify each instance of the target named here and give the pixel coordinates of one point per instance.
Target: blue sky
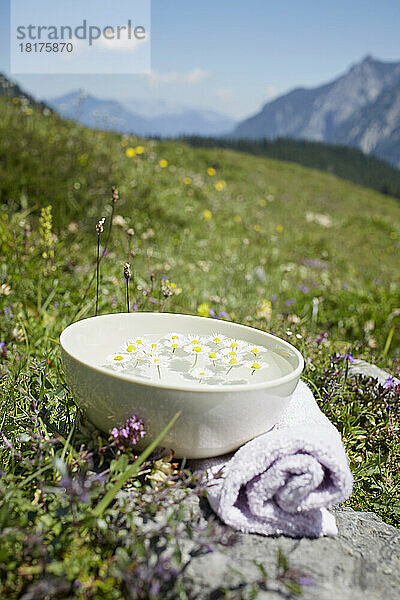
(232, 55)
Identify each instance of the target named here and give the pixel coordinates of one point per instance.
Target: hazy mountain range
(360, 108)
(142, 118)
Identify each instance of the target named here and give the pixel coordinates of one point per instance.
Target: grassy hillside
(343, 161)
(275, 245)
(255, 229)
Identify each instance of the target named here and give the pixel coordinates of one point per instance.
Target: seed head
(100, 225)
(115, 194)
(127, 271)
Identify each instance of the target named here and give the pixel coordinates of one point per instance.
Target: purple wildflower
(305, 581)
(349, 357)
(321, 338)
(129, 434)
(290, 301)
(273, 298)
(220, 315)
(303, 288)
(7, 312)
(390, 383)
(315, 263)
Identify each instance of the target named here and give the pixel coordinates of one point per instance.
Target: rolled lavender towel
(282, 481)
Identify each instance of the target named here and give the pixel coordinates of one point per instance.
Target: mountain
(132, 116)
(335, 112)
(376, 127)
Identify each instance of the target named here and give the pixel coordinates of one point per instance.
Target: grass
(273, 244)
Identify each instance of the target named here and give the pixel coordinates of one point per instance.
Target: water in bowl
(178, 359)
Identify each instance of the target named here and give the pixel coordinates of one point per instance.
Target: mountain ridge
(318, 113)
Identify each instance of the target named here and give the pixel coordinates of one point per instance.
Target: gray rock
(362, 367)
(361, 563)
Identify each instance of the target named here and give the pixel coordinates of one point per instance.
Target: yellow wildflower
(163, 163)
(279, 228)
(211, 171)
(220, 185)
(187, 180)
(203, 310)
(130, 152)
(237, 219)
(140, 149)
(207, 215)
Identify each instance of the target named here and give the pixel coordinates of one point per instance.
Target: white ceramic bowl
(215, 419)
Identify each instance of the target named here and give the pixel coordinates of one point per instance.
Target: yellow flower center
(255, 351)
(233, 361)
(196, 349)
(234, 345)
(118, 357)
(131, 348)
(255, 366)
(212, 355)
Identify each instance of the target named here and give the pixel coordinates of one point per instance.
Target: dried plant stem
(127, 295)
(97, 274)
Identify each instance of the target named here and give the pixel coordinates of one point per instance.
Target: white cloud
(271, 92)
(123, 44)
(225, 94)
(193, 77)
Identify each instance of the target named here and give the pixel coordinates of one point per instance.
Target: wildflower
(163, 163)
(162, 472)
(18, 334)
(187, 180)
(140, 149)
(237, 219)
(220, 185)
(390, 382)
(211, 171)
(348, 357)
(72, 227)
(207, 215)
(264, 311)
(202, 373)
(131, 348)
(45, 230)
(279, 228)
(197, 350)
(212, 356)
(119, 221)
(203, 310)
(130, 231)
(290, 301)
(322, 338)
(263, 202)
(257, 228)
(130, 152)
(129, 434)
(255, 366)
(220, 315)
(5, 290)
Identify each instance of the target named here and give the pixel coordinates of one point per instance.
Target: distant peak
(368, 59)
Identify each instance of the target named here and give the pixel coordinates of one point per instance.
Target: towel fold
(282, 481)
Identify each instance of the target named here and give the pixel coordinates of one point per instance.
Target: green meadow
(271, 244)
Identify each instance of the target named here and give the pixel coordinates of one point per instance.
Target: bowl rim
(242, 387)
